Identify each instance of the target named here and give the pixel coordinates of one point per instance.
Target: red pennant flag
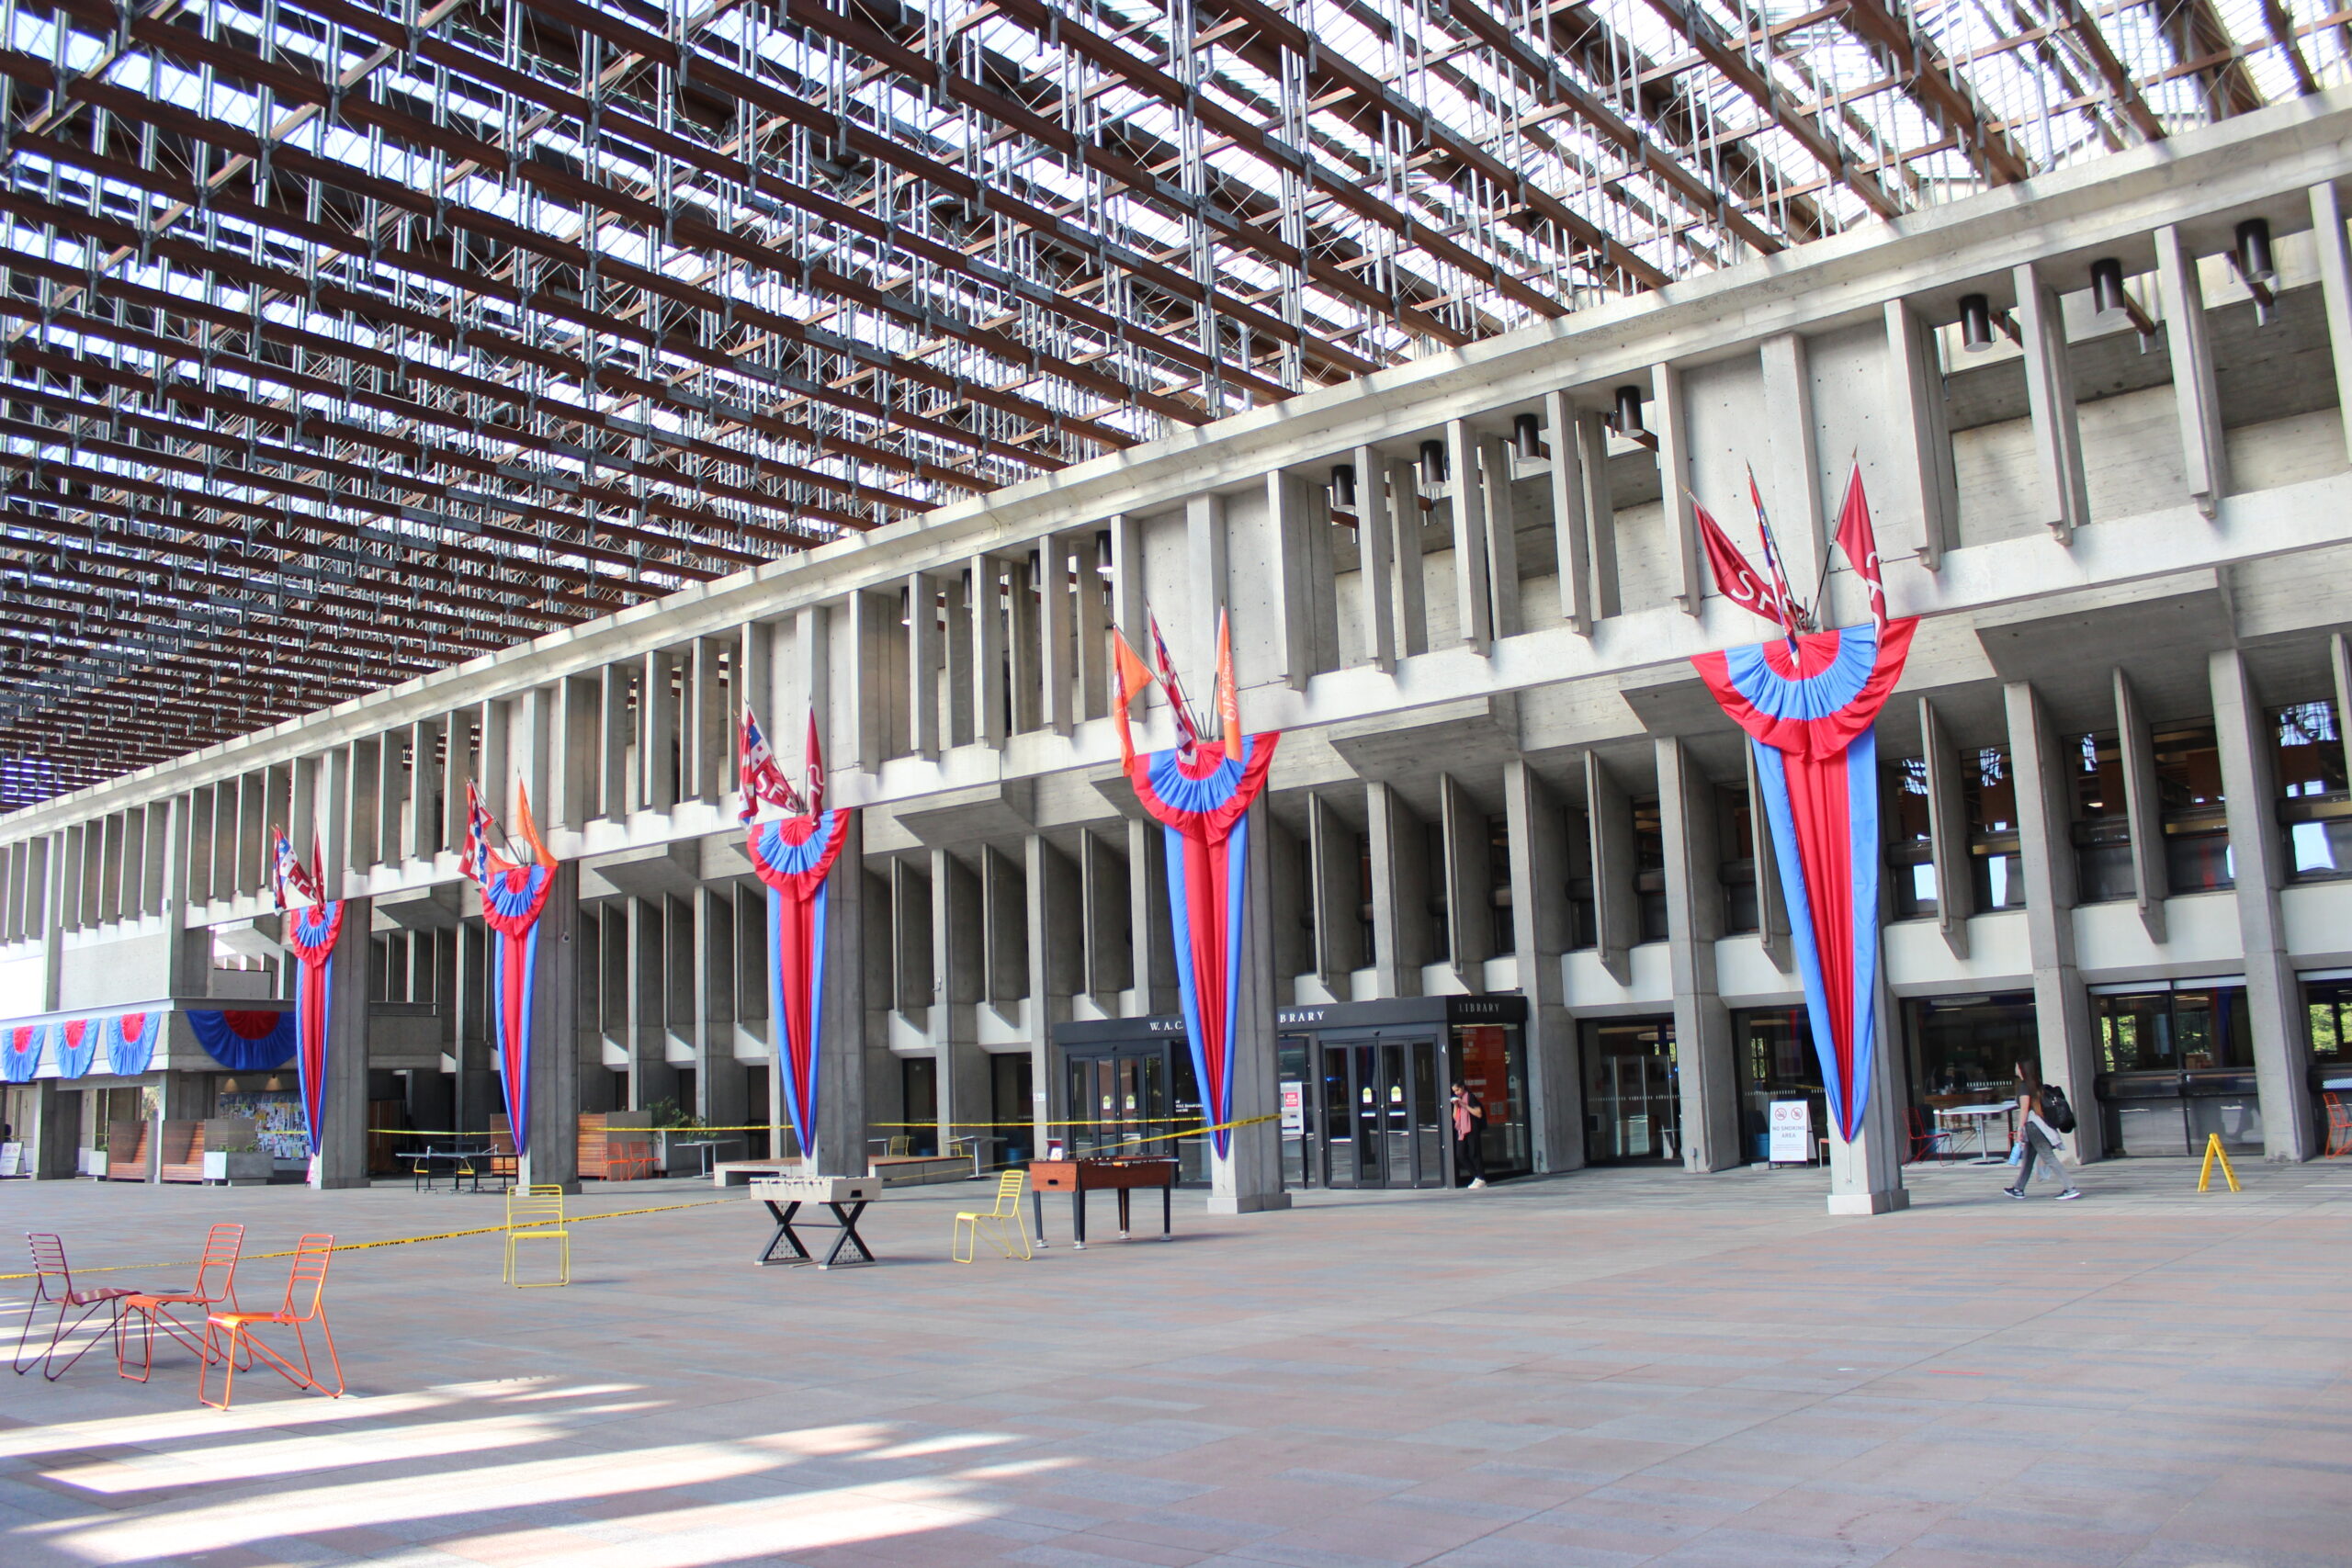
(1735, 578)
(1859, 541)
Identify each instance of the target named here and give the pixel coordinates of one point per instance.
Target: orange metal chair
(2339, 1126)
(222, 1243)
(306, 1282)
(1927, 1139)
(53, 1285)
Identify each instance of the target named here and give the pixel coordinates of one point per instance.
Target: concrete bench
(729, 1172)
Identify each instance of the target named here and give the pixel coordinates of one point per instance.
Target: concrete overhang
(2066, 646)
(960, 818)
(418, 909)
(654, 872)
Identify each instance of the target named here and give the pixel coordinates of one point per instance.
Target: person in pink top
(1469, 1122)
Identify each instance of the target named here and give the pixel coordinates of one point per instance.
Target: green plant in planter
(238, 1149)
(668, 1117)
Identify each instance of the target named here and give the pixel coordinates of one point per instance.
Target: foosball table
(1079, 1176)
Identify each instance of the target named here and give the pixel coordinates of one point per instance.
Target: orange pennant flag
(530, 829)
(1132, 676)
(1228, 700)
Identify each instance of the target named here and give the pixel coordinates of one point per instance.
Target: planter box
(240, 1167)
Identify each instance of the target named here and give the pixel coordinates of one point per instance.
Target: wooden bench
(911, 1170)
(126, 1151)
(183, 1151)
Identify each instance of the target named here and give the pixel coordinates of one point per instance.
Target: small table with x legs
(847, 1196)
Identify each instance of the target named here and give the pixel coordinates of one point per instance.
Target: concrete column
(342, 1160)
(1772, 901)
(2204, 458)
(1376, 562)
(614, 795)
(2274, 1002)
(1022, 646)
(1092, 625)
(712, 729)
(53, 1141)
(2144, 810)
(1498, 520)
(1539, 879)
(924, 661)
(959, 955)
(657, 733)
(722, 1089)
(1054, 900)
(554, 1157)
(1154, 967)
(1795, 461)
(1335, 884)
(2062, 1008)
(2336, 289)
(841, 1027)
(1924, 484)
(471, 1048)
(1710, 1073)
(1103, 889)
(1674, 477)
(425, 782)
(987, 695)
(1399, 892)
(650, 1077)
(1866, 1175)
(1472, 595)
(1302, 598)
(460, 765)
(957, 685)
(1469, 917)
(2050, 395)
(1947, 831)
(1406, 519)
(1193, 635)
(1571, 533)
(1250, 1180)
(1617, 914)
(573, 763)
(1056, 637)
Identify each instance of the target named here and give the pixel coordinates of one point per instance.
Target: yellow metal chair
(537, 1214)
(1005, 1231)
(896, 1147)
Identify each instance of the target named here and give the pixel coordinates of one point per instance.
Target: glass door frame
(1369, 1059)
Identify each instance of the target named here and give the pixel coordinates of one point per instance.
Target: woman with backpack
(2042, 1112)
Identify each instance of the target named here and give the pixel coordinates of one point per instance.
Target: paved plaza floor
(1612, 1368)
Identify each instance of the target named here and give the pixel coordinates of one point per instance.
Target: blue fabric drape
(238, 1053)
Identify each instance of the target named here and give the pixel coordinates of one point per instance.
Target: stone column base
(1253, 1203)
(1868, 1203)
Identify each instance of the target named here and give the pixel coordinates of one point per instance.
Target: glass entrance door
(1115, 1101)
(1632, 1097)
(1383, 1113)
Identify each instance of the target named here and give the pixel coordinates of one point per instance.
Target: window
(1505, 937)
(2327, 1007)
(2196, 830)
(1989, 798)
(2173, 1026)
(2102, 830)
(1910, 845)
(2315, 805)
(918, 1086)
(1649, 868)
(1777, 1061)
(1735, 833)
(1966, 1050)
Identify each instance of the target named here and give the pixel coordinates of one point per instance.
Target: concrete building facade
(1508, 835)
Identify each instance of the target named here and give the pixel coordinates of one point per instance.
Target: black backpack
(2056, 1110)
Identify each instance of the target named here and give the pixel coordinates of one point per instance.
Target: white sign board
(1791, 1131)
(12, 1159)
(1294, 1107)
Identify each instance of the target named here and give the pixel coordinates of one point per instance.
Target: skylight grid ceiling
(349, 340)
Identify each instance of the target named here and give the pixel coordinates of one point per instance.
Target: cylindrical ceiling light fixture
(1975, 322)
(1527, 433)
(1343, 486)
(1628, 420)
(2107, 297)
(2254, 262)
(1433, 462)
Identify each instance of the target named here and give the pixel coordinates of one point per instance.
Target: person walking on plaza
(1469, 1127)
(2037, 1132)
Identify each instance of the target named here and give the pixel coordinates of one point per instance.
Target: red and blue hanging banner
(1200, 794)
(77, 1045)
(130, 1042)
(311, 932)
(514, 894)
(243, 1040)
(793, 856)
(1809, 701)
(21, 1053)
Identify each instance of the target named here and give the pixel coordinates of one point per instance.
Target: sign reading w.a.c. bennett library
(1508, 1007)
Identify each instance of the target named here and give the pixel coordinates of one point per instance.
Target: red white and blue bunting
(513, 897)
(20, 1052)
(1200, 794)
(246, 1040)
(130, 1042)
(311, 932)
(73, 1046)
(1809, 701)
(793, 858)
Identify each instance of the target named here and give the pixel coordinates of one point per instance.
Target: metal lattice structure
(346, 340)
